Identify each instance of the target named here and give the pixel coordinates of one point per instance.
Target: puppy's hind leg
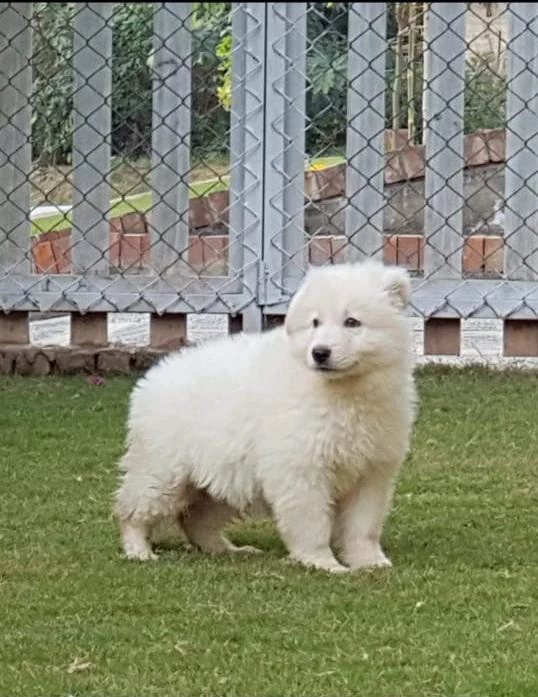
(142, 501)
(204, 521)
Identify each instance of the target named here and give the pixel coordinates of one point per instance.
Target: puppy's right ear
(291, 323)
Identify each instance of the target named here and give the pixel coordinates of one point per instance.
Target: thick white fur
(248, 422)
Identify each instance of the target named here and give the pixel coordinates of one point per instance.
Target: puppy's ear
(292, 323)
(295, 317)
(397, 284)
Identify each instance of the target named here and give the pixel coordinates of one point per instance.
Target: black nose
(321, 354)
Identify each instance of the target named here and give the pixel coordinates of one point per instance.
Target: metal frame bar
(469, 298)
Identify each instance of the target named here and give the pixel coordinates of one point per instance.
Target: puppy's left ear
(296, 320)
(397, 284)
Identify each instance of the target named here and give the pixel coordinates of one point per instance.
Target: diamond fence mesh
(186, 158)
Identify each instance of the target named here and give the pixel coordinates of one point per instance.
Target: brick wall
(130, 247)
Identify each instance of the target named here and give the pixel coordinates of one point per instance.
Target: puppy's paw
(368, 558)
(331, 566)
(245, 549)
(140, 555)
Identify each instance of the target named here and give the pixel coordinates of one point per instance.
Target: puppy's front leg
(304, 518)
(359, 521)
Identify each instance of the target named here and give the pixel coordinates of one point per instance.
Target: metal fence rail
(326, 159)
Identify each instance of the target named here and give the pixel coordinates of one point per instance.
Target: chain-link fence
(187, 158)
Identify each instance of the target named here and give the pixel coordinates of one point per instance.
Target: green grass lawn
(456, 617)
(139, 203)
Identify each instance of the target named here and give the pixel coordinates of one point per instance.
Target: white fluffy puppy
(312, 421)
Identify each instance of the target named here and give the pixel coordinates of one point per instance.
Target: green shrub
(52, 81)
(52, 96)
(485, 96)
(326, 69)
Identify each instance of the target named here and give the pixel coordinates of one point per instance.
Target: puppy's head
(347, 319)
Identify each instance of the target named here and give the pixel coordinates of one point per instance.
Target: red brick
(390, 249)
(209, 210)
(311, 187)
(409, 252)
(115, 225)
(196, 253)
(396, 139)
(134, 224)
(476, 151)
(404, 164)
(496, 144)
(209, 254)
(200, 215)
(44, 257)
(219, 204)
(394, 167)
(331, 182)
(412, 162)
(324, 248)
(319, 250)
(62, 250)
(130, 247)
(338, 249)
(493, 255)
(215, 255)
(473, 255)
(114, 250)
(145, 248)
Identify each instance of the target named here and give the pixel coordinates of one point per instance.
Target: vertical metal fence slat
(444, 86)
(365, 142)
(294, 129)
(92, 119)
(284, 147)
(246, 151)
(15, 130)
(521, 164)
(172, 59)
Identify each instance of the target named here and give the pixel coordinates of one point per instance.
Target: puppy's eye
(352, 322)
(315, 323)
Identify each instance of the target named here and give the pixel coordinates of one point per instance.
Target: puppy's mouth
(331, 368)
